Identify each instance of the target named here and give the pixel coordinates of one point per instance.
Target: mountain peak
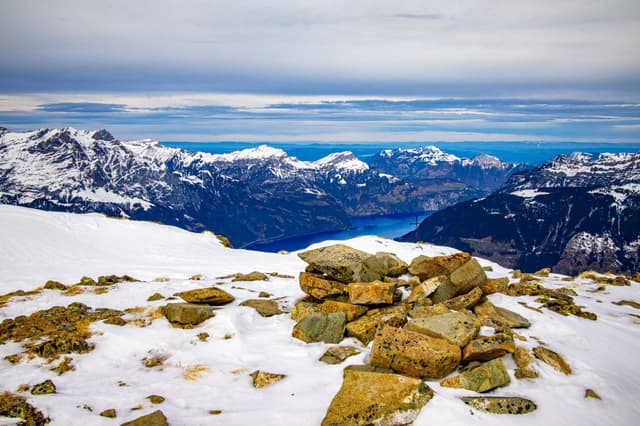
(345, 160)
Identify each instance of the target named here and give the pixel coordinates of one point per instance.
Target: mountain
(254, 195)
(573, 213)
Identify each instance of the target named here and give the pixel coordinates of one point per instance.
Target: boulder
(461, 281)
(266, 308)
(500, 404)
(208, 296)
(398, 399)
(523, 360)
(465, 301)
(414, 354)
(373, 293)
(501, 316)
(552, 358)
(457, 328)
(341, 263)
(319, 287)
(386, 264)
(262, 378)
(321, 327)
(187, 314)
(351, 311)
(419, 296)
(366, 327)
(486, 348)
(426, 267)
(157, 418)
(337, 354)
(495, 285)
(484, 377)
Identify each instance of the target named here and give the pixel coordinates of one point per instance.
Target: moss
(16, 406)
(64, 366)
(18, 293)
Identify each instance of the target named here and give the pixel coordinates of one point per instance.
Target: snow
(38, 246)
(528, 193)
(103, 196)
(341, 161)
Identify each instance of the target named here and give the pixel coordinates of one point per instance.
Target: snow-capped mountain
(573, 213)
(253, 195)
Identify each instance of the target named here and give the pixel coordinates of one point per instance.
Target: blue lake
(390, 226)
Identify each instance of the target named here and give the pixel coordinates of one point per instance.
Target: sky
(332, 71)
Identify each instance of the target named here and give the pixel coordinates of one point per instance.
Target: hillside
(205, 378)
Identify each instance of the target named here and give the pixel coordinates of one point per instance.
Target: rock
(43, 388)
(341, 263)
(523, 360)
(457, 328)
(564, 305)
(590, 393)
(337, 354)
(155, 399)
(262, 378)
(154, 297)
(461, 281)
(465, 301)
(385, 264)
(224, 241)
(87, 281)
(500, 404)
(517, 273)
(266, 308)
(428, 267)
(486, 348)
(119, 321)
(485, 377)
(419, 296)
(495, 285)
(501, 316)
(429, 311)
(187, 314)
(115, 279)
(398, 399)
(264, 294)
(373, 293)
(110, 413)
(54, 285)
(251, 276)
(631, 303)
(302, 308)
(544, 272)
(319, 287)
(208, 296)
(157, 418)
(366, 327)
(414, 354)
(351, 311)
(552, 358)
(321, 327)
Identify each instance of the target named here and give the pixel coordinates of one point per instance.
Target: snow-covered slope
(38, 246)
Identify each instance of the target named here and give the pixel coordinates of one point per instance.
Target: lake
(389, 226)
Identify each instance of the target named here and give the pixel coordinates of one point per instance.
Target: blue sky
(334, 71)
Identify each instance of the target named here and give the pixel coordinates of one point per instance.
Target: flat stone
(523, 360)
(372, 293)
(337, 354)
(366, 327)
(157, 418)
(302, 308)
(500, 404)
(187, 313)
(321, 327)
(414, 354)
(465, 301)
(262, 378)
(386, 264)
(486, 348)
(398, 399)
(110, 413)
(461, 281)
(501, 316)
(251, 276)
(419, 296)
(590, 393)
(341, 263)
(552, 358)
(426, 267)
(350, 310)
(266, 308)
(319, 287)
(483, 378)
(495, 285)
(457, 328)
(429, 311)
(208, 296)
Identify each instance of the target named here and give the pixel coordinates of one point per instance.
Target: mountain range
(254, 195)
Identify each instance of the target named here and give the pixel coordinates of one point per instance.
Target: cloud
(82, 107)
(422, 16)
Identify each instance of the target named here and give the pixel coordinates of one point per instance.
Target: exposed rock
(544, 272)
(302, 308)
(486, 348)
(350, 310)
(341, 263)
(110, 413)
(552, 358)
(414, 354)
(264, 294)
(187, 314)
(224, 241)
(251, 276)
(398, 399)
(590, 393)
(485, 377)
(115, 279)
(461, 281)
(119, 321)
(16, 406)
(208, 296)
(154, 297)
(501, 316)
(428, 267)
(500, 404)
(565, 306)
(429, 311)
(87, 281)
(420, 294)
(321, 327)
(366, 327)
(373, 293)
(319, 287)
(43, 388)
(155, 399)
(458, 328)
(465, 301)
(631, 303)
(495, 285)
(157, 418)
(54, 285)
(266, 308)
(386, 264)
(337, 354)
(262, 378)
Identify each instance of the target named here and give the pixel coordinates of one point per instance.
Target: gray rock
(461, 281)
(187, 314)
(341, 263)
(457, 328)
(321, 327)
(500, 404)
